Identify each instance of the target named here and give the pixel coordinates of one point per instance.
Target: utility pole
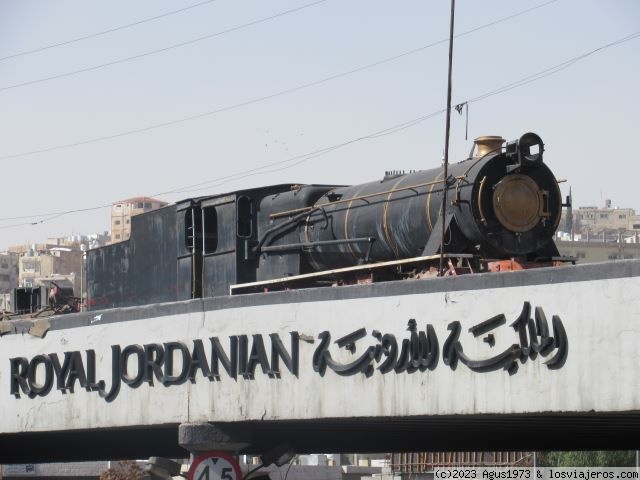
(446, 142)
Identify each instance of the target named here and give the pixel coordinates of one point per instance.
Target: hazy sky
(587, 114)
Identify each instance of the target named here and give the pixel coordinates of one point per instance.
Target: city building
(59, 260)
(607, 222)
(5, 303)
(62, 262)
(597, 219)
(599, 234)
(8, 271)
(74, 242)
(122, 211)
(596, 250)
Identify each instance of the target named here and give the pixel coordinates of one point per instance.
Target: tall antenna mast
(446, 142)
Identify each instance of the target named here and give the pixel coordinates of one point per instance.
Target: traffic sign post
(215, 465)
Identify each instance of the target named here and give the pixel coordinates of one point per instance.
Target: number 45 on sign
(214, 466)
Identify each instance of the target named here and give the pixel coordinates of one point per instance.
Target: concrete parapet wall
(594, 310)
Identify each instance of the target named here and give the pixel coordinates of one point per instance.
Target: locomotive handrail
(279, 226)
(292, 246)
(466, 172)
(360, 197)
(483, 219)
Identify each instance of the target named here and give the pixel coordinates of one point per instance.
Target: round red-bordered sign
(214, 465)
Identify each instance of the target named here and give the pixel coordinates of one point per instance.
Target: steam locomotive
(501, 203)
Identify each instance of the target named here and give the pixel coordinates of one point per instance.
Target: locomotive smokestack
(487, 144)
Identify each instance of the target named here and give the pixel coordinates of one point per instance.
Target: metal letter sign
(214, 466)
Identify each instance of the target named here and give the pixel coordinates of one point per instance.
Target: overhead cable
(160, 50)
(299, 159)
(104, 32)
(265, 97)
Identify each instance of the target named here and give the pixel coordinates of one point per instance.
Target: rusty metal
(516, 264)
(505, 265)
(426, 462)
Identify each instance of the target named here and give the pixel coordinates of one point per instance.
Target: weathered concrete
(201, 437)
(593, 392)
(79, 470)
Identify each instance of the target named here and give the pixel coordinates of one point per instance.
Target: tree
(614, 458)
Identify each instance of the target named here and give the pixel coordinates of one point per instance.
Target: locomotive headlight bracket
(525, 152)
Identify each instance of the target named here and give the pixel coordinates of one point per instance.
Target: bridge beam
(203, 436)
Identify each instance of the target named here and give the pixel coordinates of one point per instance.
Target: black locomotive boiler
(502, 203)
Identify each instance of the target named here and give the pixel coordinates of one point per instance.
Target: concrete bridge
(539, 359)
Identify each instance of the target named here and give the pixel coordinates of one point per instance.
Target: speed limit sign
(214, 466)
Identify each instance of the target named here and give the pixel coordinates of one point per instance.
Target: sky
(259, 92)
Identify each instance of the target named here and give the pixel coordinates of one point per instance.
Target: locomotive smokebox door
(519, 203)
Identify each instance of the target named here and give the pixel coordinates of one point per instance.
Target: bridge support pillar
(201, 437)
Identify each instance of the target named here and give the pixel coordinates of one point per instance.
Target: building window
(4, 265)
(622, 216)
(29, 266)
(604, 215)
(147, 205)
(128, 221)
(636, 226)
(117, 236)
(139, 205)
(119, 206)
(117, 222)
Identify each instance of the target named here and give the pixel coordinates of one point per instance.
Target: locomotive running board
(237, 288)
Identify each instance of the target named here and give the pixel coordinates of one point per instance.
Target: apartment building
(54, 262)
(8, 271)
(122, 211)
